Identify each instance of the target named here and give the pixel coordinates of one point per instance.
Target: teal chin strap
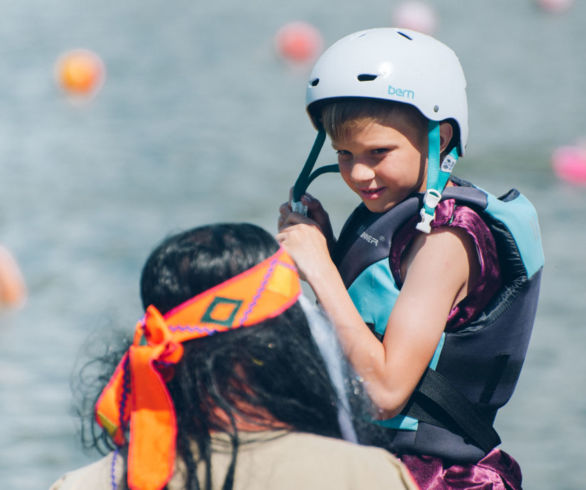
(437, 176)
(306, 177)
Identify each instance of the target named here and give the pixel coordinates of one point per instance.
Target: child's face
(383, 162)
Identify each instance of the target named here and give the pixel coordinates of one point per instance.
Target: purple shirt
(450, 215)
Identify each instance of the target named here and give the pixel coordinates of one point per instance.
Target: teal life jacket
(474, 369)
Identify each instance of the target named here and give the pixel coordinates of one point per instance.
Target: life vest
(475, 369)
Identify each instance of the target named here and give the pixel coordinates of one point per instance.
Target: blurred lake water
(199, 121)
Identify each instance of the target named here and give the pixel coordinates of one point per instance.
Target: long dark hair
(271, 368)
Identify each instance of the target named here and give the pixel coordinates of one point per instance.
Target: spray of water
(327, 342)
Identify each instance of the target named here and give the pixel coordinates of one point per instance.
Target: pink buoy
(299, 42)
(415, 15)
(555, 6)
(569, 164)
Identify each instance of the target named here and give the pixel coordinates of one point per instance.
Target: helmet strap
(437, 176)
(306, 176)
(302, 181)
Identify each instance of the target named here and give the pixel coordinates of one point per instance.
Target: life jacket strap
(437, 402)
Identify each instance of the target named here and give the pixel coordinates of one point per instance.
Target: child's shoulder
(448, 214)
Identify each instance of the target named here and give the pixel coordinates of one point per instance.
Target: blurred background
(199, 118)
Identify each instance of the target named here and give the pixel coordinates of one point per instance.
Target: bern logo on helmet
(400, 92)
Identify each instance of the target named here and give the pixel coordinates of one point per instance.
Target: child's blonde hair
(340, 117)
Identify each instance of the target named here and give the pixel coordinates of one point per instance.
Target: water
(199, 122)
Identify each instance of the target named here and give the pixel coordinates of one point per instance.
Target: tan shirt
(275, 461)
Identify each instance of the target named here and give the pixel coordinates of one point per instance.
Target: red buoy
(299, 42)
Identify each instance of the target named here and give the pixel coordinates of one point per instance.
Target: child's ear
(446, 134)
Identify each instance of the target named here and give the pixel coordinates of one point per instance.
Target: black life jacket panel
(475, 369)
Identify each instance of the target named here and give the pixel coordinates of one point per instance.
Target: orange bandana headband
(136, 397)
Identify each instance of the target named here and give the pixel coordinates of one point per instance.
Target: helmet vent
(366, 77)
(405, 35)
(314, 82)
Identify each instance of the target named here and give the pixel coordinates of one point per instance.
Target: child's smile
(371, 193)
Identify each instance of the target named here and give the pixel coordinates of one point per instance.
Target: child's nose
(361, 172)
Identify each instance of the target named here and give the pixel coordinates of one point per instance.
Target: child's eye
(343, 154)
(380, 151)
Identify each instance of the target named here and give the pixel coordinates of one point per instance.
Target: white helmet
(393, 64)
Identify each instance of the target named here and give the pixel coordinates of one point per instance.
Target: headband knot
(164, 349)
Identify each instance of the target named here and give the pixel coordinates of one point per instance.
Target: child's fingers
(288, 218)
(306, 199)
(285, 209)
(313, 205)
(309, 199)
(315, 210)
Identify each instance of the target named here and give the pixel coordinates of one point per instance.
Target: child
(241, 407)
(433, 294)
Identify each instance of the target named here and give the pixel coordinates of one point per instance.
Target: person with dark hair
(254, 408)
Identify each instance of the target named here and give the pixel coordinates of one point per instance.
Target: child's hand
(307, 245)
(308, 239)
(316, 215)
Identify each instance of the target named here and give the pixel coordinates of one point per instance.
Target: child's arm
(437, 275)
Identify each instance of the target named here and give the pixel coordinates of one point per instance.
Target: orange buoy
(12, 289)
(299, 42)
(415, 15)
(80, 72)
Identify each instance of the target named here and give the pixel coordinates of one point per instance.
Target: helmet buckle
(431, 199)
